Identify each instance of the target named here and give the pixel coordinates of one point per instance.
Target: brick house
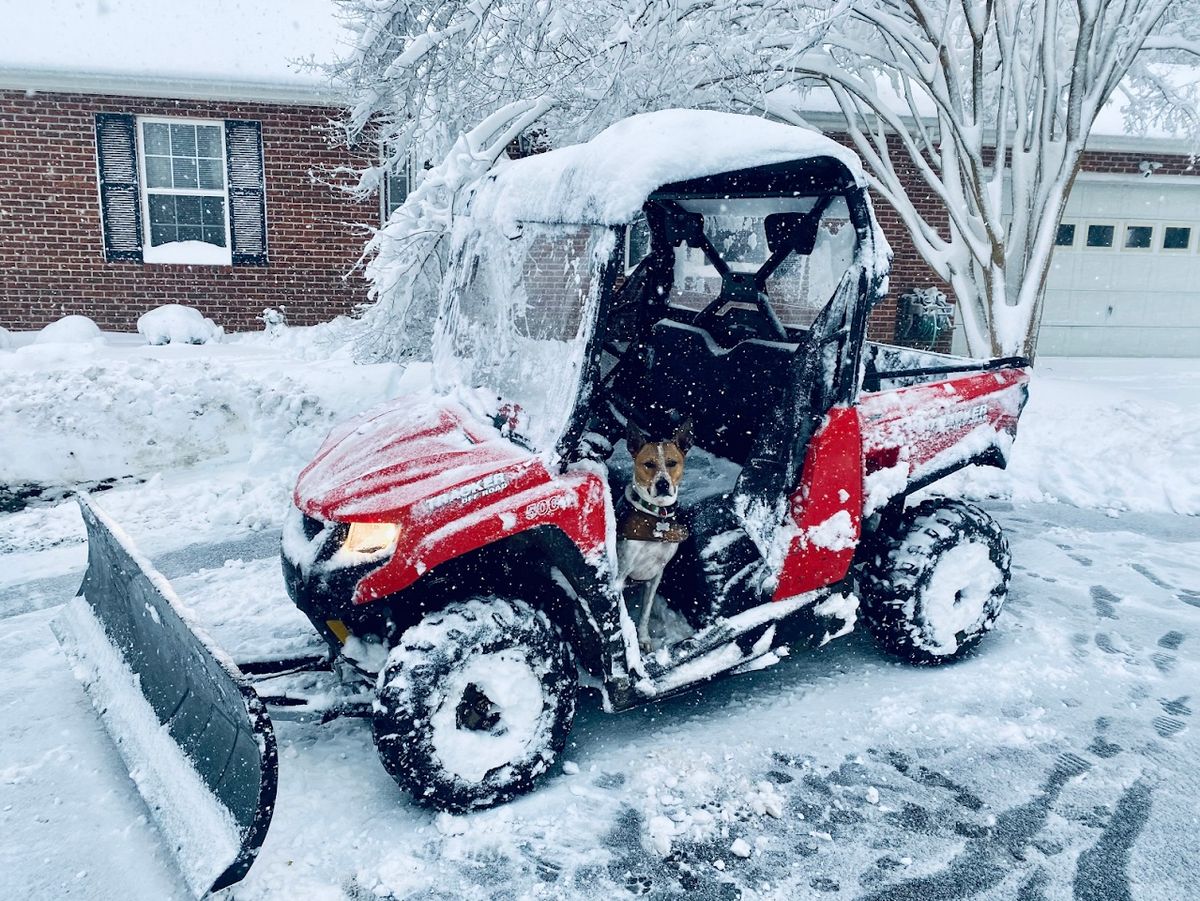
(197, 182)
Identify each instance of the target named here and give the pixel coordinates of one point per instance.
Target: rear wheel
(475, 703)
(934, 584)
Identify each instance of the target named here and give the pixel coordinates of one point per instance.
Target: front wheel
(475, 703)
(934, 585)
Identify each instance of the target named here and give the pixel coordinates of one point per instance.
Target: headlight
(371, 537)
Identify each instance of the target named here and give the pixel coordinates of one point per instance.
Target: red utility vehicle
(457, 550)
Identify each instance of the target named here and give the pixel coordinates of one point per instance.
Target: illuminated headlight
(371, 537)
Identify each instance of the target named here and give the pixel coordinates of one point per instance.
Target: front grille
(312, 527)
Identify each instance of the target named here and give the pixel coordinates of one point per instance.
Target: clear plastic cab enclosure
(536, 315)
(517, 319)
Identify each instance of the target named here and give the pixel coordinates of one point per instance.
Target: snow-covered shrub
(70, 330)
(274, 321)
(174, 323)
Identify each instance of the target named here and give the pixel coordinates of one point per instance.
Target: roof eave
(169, 87)
(832, 122)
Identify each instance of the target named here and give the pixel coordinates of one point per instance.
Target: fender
(825, 512)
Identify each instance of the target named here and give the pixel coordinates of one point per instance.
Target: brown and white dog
(648, 534)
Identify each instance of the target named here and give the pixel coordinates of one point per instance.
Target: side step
(196, 738)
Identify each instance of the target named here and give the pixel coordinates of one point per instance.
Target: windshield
(515, 322)
(801, 284)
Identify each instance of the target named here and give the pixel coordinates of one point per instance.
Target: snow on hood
(399, 454)
(607, 179)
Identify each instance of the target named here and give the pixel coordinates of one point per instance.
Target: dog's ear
(635, 438)
(683, 436)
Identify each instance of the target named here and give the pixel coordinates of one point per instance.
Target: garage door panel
(1107, 341)
(1176, 274)
(1124, 301)
(1130, 273)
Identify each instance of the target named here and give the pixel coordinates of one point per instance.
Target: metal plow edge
(194, 735)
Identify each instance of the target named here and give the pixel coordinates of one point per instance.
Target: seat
(726, 392)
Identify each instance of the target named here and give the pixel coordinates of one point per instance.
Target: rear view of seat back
(726, 393)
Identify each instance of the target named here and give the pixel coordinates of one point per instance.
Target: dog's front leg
(649, 591)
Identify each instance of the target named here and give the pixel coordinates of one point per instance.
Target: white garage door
(1125, 280)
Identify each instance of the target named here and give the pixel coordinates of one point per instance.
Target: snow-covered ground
(1060, 761)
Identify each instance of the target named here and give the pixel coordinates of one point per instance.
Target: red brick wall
(51, 246)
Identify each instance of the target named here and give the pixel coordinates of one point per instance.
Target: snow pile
(5, 338)
(173, 323)
(837, 533)
(133, 411)
(70, 330)
(1116, 434)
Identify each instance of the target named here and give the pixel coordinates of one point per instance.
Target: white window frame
(1075, 236)
(1191, 244)
(162, 253)
(1154, 234)
(1118, 234)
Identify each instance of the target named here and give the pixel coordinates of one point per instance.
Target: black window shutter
(247, 192)
(120, 209)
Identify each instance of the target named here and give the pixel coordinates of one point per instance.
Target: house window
(1176, 237)
(396, 186)
(185, 205)
(1139, 237)
(1066, 235)
(178, 190)
(1100, 235)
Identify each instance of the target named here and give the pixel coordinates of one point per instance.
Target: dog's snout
(662, 487)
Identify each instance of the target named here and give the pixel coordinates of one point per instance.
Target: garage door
(1125, 280)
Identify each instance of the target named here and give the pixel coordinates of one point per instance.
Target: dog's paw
(646, 645)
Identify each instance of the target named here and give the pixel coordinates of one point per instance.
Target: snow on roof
(607, 179)
(815, 103)
(223, 49)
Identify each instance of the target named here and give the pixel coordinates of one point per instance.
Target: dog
(648, 534)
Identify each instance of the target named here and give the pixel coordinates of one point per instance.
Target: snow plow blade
(196, 738)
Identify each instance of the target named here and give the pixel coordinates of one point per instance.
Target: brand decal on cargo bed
(948, 422)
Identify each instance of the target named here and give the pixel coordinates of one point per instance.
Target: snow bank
(173, 323)
(1119, 434)
(137, 410)
(70, 330)
(5, 338)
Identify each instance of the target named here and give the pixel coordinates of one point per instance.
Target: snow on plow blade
(194, 735)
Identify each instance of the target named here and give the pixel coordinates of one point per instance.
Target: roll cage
(754, 386)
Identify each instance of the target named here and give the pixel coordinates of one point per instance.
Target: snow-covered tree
(987, 102)
(991, 103)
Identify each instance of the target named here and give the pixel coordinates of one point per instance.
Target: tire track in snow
(983, 865)
(1102, 871)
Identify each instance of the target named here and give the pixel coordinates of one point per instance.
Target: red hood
(376, 467)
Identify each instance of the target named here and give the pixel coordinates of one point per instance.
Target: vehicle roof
(606, 180)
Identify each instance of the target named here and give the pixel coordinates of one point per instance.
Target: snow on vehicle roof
(607, 179)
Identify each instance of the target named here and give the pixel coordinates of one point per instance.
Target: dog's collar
(651, 509)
